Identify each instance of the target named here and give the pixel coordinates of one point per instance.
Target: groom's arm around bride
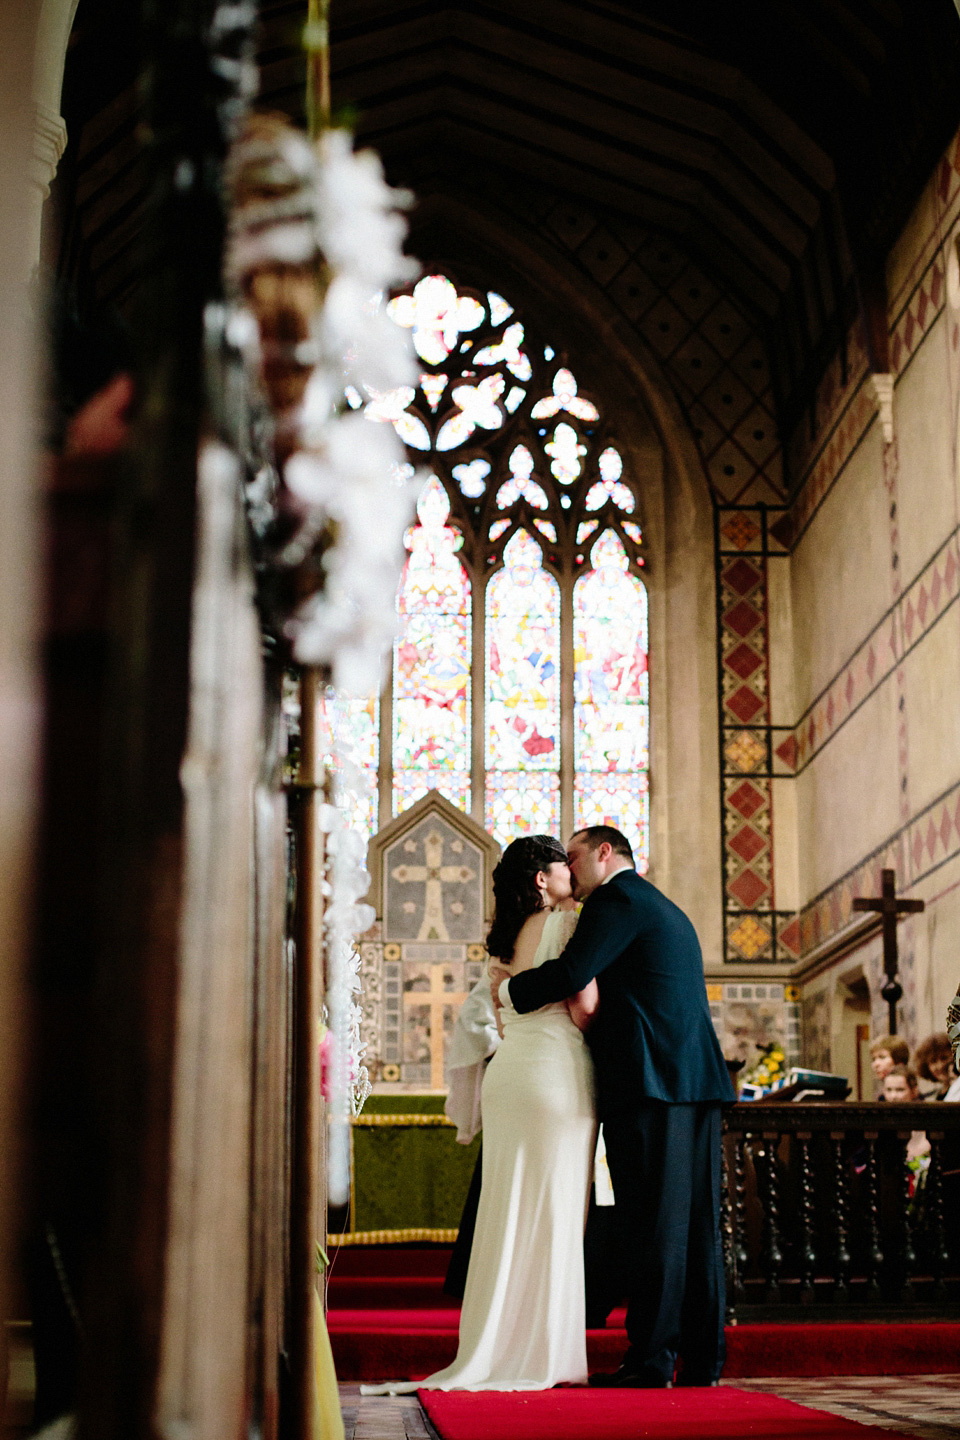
(661, 1080)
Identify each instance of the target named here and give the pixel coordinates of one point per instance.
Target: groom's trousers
(665, 1163)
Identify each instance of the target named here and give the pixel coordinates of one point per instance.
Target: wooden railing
(822, 1215)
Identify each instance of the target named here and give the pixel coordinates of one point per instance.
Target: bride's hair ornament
(516, 894)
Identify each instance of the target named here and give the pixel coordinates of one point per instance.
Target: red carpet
(722, 1414)
(389, 1319)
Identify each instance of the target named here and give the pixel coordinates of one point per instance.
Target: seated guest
(886, 1052)
(933, 1060)
(900, 1083)
(900, 1086)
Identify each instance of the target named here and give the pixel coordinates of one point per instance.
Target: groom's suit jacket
(652, 1036)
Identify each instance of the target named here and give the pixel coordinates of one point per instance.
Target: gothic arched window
(431, 661)
(522, 700)
(519, 686)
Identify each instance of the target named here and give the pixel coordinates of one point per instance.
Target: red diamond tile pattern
(746, 799)
(711, 354)
(742, 576)
(919, 607)
(748, 888)
(742, 618)
(924, 843)
(789, 936)
(743, 646)
(747, 843)
(745, 704)
(743, 661)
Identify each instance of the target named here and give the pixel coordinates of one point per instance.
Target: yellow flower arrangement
(767, 1068)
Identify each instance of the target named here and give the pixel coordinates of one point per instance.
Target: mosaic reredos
(432, 886)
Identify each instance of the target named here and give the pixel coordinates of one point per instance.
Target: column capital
(49, 143)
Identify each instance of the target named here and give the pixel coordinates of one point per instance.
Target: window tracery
(526, 476)
(431, 661)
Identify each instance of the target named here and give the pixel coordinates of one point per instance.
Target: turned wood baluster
(726, 1229)
(772, 1254)
(874, 1248)
(840, 1212)
(741, 1254)
(936, 1234)
(808, 1255)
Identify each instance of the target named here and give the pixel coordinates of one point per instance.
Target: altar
(410, 1177)
(431, 870)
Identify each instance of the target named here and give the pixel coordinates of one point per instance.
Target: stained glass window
(611, 697)
(431, 662)
(522, 723)
(355, 720)
(532, 504)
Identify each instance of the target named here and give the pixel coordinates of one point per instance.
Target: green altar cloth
(410, 1177)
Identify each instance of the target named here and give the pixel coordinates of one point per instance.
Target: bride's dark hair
(515, 892)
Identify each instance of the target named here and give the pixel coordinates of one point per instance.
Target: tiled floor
(925, 1406)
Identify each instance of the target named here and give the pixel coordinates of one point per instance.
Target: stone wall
(870, 625)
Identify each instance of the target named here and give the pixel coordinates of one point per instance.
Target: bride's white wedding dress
(522, 1325)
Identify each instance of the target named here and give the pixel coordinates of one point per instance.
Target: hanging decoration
(315, 246)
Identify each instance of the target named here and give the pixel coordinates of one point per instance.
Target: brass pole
(316, 40)
(306, 1206)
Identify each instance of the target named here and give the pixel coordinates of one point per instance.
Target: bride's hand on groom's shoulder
(497, 976)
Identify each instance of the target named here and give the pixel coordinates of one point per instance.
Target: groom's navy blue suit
(661, 1082)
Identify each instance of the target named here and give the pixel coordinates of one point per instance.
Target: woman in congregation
(933, 1061)
(522, 1325)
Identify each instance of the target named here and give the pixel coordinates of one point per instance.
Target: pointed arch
(431, 660)
(522, 694)
(611, 697)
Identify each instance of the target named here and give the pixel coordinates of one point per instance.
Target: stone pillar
(33, 42)
(53, 27)
(19, 690)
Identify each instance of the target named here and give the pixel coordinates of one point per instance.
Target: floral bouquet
(768, 1068)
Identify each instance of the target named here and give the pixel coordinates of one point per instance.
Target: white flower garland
(350, 471)
(345, 917)
(352, 476)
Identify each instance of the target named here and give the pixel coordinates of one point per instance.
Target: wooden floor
(925, 1406)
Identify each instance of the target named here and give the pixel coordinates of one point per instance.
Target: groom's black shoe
(630, 1377)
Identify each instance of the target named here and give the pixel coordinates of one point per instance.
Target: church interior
(426, 423)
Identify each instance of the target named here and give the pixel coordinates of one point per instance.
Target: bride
(522, 1325)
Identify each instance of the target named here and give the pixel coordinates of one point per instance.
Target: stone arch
(482, 244)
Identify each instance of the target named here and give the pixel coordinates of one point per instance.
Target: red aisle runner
(720, 1414)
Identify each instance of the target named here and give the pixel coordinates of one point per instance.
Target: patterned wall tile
(752, 927)
(921, 605)
(919, 847)
(844, 405)
(712, 356)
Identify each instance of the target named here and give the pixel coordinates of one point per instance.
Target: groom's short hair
(597, 835)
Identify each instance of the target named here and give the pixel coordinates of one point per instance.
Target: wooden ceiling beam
(625, 169)
(380, 32)
(599, 115)
(430, 174)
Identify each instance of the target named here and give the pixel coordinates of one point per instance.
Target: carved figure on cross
(890, 908)
(433, 876)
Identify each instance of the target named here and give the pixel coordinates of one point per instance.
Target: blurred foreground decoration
(314, 245)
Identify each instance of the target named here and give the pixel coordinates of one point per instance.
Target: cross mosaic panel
(411, 995)
(432, 885)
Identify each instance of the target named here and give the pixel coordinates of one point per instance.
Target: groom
(661, 1082)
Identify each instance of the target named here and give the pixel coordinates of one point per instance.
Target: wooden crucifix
(890, 908)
